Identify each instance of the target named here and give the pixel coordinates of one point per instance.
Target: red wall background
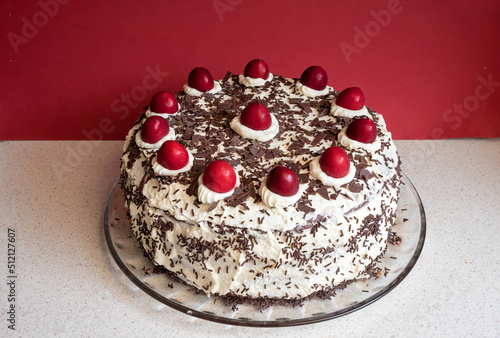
(83, 69)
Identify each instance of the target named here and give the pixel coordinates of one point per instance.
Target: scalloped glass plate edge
(414, 206)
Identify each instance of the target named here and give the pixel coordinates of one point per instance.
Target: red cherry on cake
(154, 129)
(163, 103)
(314, 77)
(219, 176)
(363, 130)
(257, 69)
(256, 116)
(351, 98)
(283, 181)
(201, 79)
(334, 162)
(172, 155)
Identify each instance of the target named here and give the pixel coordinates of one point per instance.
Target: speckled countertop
(53, 195)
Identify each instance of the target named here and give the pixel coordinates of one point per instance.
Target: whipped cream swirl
(341, 111)
(162, 171)
(150, 113)
(253, 82)
(305, 90)
(272, 199)
(154, 146)
(318, 173)
(205, 195)
(195, 92)
(259, 135)
(353, 144)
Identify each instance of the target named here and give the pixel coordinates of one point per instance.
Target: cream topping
(154, 146)
(253, 82)
(319, 174)
(162, 171)
(272, 199)
(341, 111)
(195, 92)
(205, 195)
(353, 144)
(278, 220)
(259, 135)
(164, 115)
(307, 91)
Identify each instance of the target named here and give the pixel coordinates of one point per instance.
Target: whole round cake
(260, 187)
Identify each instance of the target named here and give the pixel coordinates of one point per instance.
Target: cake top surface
(306, 129)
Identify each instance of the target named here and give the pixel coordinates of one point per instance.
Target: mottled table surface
(66, 283)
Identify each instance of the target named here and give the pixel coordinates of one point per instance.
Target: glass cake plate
(399, 259)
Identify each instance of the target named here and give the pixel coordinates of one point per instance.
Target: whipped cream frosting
(195, 92)
(253, 82)
(162, 171)
(272, 199)
(219, 275)
(335, 266)
(319, 174)
(154, 146)
(205, 195)
(277, 221)
(259, 135)
(307, 91)
(341, 111)
(353, 144)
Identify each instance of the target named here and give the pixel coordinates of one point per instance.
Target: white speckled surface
(53, 194)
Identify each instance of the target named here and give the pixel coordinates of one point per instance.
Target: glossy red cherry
(219, 176)
(351, 98)
(201, 79)
(163, 103)
(283, 181)
(314, 77)
(154, 129)
(256, 116)
(363, 130)
(257, 69)
(335, 162)
(172, 155)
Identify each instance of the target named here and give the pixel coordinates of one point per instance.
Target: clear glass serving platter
(399, 259)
